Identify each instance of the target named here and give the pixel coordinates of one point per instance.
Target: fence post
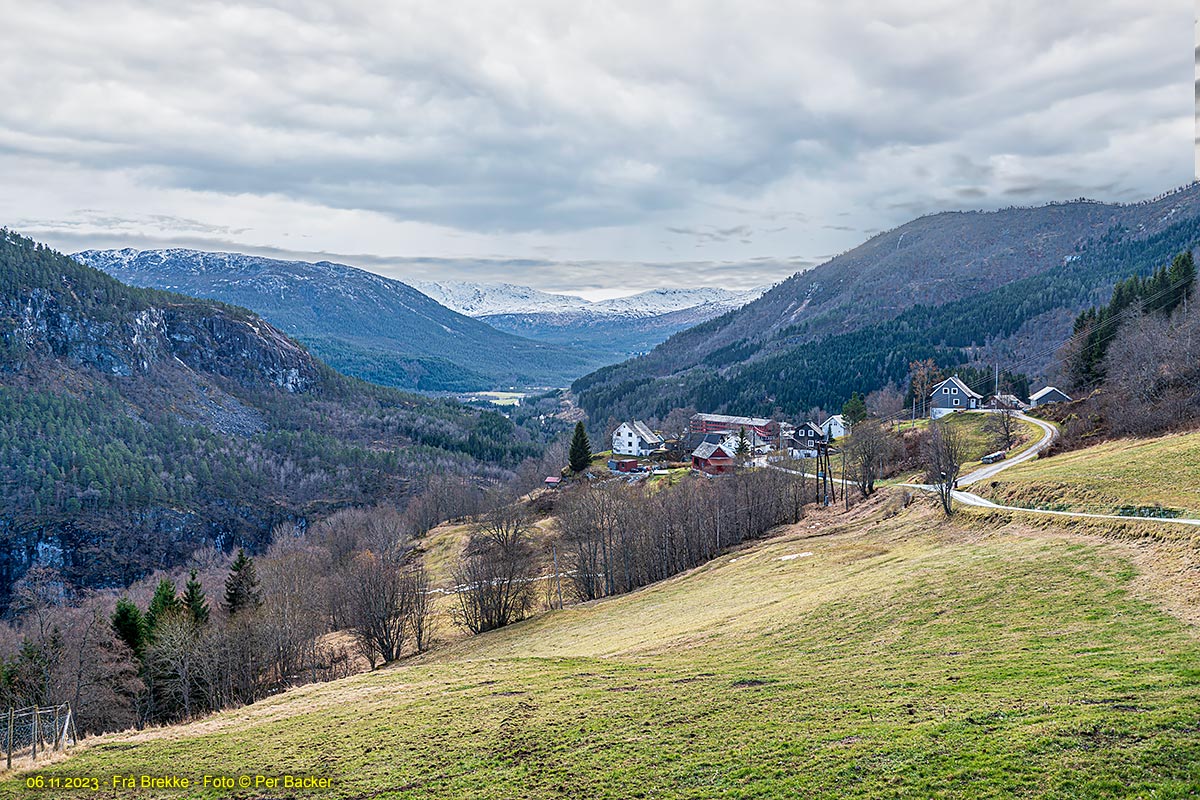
(56, 739)
(8, 744)
(33, 739)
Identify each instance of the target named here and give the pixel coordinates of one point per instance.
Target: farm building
(953, 395)
(713, 459)
(623, 464)
(1048, 395)
(836, 427)
(721, 423)
(552, 482)
(635, 439)
(999, 401)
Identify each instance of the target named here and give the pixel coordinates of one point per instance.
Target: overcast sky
(594, 147)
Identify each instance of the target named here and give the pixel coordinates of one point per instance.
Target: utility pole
(845, 495)
(557, 576)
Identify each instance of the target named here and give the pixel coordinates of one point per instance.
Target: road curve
(1049, 434)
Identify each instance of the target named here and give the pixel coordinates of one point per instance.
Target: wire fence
(36, 730)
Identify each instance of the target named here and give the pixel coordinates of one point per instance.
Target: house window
(954, 391)
(946, 390)
(956, 401)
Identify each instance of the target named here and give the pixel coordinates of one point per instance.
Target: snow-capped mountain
(492, 299)
(620, 327)
(482, 299)
(360, 323)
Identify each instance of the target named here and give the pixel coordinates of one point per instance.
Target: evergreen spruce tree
(581, 449)
(164, 603)
(128, 624)
(195, 601)
(743, 445)
(854, 410)
(241, 587)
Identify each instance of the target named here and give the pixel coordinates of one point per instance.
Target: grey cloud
(541, 120)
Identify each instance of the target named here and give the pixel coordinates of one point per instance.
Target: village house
(803, 442)
(1048, 395)
(713, 459)
(756, 442)
(768, 429)
(1001, 401)
(836, 427)
(635, 439)
(953, 395)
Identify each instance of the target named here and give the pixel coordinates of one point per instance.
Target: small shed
(622, 464)
(1050, 394)
(552, 482)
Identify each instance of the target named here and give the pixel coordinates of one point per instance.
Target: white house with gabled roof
(635, 439)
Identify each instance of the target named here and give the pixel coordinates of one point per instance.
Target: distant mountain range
(138, 424)
(618, 327)
(361, 323)
(1000, 287)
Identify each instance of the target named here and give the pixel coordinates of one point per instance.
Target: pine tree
(128, 624)
(854, 410)
(164, 603)
(581, 449)
(241, 587)
(743, 445)
(195, 601)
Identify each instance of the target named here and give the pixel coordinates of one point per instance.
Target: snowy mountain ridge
(494, 299)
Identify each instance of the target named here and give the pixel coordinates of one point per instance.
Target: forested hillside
(362, 324)
(137, 425)
(856, 323)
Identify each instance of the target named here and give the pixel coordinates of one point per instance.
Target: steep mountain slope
(363, 324)
(137, 425)
(957, 287)
(618, 327)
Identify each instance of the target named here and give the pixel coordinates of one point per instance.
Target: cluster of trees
(617, 537)
(798, 368)
(1096, 328)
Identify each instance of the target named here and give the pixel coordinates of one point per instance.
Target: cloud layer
(697, 132)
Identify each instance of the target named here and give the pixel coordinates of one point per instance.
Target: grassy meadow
(884, 653)
(1126, 476)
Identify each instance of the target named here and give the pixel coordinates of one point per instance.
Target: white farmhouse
(635, 439)
(836, 427)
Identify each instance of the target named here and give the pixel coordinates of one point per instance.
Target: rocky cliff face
(210, 339)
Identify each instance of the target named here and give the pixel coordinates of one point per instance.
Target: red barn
(712, 459)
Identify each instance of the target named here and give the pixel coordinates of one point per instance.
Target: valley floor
(881, 653)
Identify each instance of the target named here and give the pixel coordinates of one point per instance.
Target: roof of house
(1008, 399)
(643, 430)
(959, 383)
(836, 419)
(553, 479)
(708, 449)
(1040, 393)
(729, 420)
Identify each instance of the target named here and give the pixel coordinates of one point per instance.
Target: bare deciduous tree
(944, 453)
(868, 453)
(495, 572)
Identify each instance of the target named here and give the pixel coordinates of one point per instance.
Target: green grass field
(901, 657)
(1143, 476)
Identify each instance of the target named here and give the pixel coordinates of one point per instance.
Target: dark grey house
(953, 395)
